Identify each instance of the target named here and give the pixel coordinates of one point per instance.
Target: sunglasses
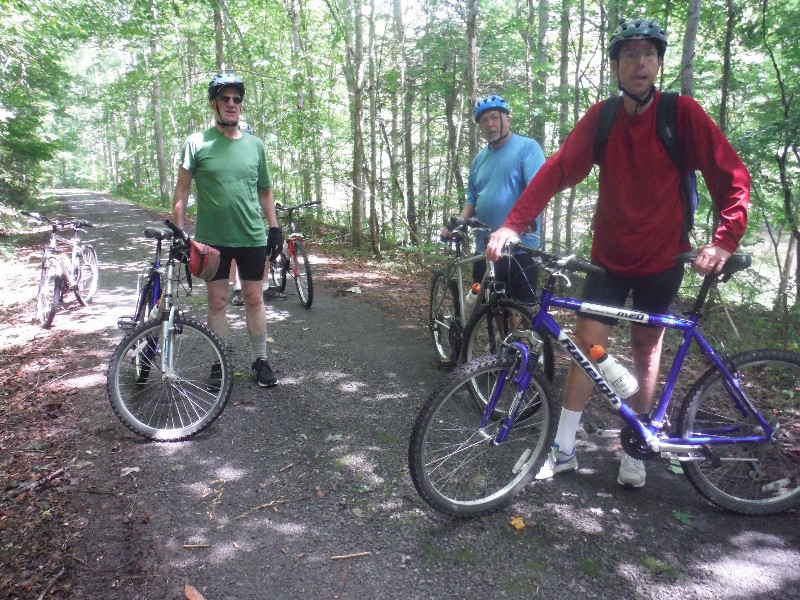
(225, 99)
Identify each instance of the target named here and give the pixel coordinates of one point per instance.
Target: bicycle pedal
(126, 323)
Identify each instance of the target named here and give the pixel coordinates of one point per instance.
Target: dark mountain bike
(461, 333)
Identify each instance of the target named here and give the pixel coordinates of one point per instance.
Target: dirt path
(303, 491)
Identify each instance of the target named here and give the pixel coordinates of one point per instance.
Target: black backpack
(665, 124)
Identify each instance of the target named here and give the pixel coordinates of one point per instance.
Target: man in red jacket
(638, 220)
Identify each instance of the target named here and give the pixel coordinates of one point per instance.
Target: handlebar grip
(472, 222)
(177, 230)
(573, 263)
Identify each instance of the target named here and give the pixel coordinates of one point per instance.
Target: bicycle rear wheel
(301, 269)
(180, 403)
(751, 479)
(455, 466)
(443, 318)
(483, 335)
(87, 273)
(51, 286)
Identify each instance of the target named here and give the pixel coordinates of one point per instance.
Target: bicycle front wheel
(443, 317)
(277, 272)
(455, 465)
(751, 479)
(301, 269)
(48, 299)
(87, 273)
(176, 403)
(488, 327)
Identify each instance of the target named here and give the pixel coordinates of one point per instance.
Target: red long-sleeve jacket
(639, 213)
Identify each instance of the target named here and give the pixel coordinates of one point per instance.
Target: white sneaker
(631, 471)
(557, 462)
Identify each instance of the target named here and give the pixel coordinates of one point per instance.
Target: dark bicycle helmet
(223, 80)
(637, 29)
(493, 102)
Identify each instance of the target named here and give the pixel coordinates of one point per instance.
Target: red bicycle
(293, 259)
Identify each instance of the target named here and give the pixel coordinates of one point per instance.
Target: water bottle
(469, 301)
(154, 311)
(617, 375)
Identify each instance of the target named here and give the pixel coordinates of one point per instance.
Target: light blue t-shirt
(497, 179)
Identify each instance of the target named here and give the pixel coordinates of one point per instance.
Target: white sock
(567, 430)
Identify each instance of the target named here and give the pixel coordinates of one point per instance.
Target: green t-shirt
(228, 174)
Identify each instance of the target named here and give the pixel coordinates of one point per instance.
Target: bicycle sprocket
(633, 445)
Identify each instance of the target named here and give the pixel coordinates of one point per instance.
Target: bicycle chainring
(633, 446)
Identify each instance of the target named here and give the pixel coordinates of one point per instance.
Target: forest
(366, 104)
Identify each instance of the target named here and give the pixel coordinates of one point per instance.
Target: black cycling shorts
(249, 261)
(651, 294)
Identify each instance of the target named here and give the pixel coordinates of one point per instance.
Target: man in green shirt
(234, 190)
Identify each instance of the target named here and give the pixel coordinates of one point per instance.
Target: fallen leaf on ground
(191, 593)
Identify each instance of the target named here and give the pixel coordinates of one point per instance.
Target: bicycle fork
(521, 377)
(168, 330)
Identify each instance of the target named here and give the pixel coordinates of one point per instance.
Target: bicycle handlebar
(471, 222)
(279, 206)
(554, 262)
(738, 261)
(180, 233)
(76, 224)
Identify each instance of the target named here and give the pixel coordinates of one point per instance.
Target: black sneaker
(263, 373)
(215, 378)
(237, 299)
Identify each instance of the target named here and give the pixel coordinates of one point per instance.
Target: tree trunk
(540, 76)
(406, 95)
(472, 70)
(689, 43)
(158, 135)
(374, 232)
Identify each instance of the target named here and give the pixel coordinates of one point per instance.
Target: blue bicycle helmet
(493, 102)
(223, 80)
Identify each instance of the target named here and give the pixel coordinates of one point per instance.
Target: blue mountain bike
(485, 431)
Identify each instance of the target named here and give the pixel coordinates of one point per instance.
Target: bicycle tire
(86, 274)
(176, 407)
(750, 479)
(51, 285)
(145, 303)
(477, 341)
(277, 271)
(443, 320)
(301, 269)
(455, 466)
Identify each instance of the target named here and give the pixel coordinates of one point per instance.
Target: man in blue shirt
(499, 174)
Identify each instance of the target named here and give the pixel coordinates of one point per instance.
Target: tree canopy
(366, 105)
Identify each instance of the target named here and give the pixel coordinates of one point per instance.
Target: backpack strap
(666, 119)
(665, 125)
(608, 110)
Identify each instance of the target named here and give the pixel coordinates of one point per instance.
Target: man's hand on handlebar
(498, 240)
(710, 259)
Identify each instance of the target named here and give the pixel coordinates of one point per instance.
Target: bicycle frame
(68, 262)
(651, 431)
(293, 234)
(153, 274)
